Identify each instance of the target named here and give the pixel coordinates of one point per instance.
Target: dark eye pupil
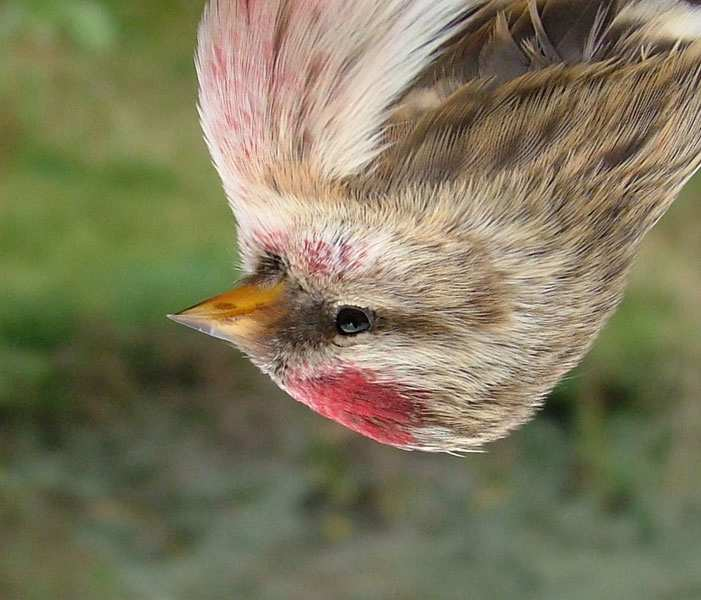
(350, 321)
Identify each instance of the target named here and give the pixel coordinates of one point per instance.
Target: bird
(437, 202)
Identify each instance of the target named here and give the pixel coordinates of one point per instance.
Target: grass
(165, 467)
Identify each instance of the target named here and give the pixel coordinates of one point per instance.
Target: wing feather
(525, 83)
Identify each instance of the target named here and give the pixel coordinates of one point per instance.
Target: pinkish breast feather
(315, 256)
(318, 256)
(219, 64)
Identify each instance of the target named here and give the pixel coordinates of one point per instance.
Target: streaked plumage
(476, 176)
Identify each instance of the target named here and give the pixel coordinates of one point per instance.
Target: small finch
(438, 201)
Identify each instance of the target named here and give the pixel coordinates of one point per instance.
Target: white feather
(667, 19)
(316, 96)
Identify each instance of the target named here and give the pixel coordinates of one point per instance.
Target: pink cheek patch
(383, 411)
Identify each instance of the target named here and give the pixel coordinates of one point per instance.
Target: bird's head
(386, 316)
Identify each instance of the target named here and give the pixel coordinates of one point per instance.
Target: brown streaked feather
(526, 85)
(506, 39)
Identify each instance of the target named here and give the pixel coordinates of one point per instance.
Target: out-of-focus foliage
(86, 23)
(138, 460)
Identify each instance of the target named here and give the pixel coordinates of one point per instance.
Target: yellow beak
(236, 314)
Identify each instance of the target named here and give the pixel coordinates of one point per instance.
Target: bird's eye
(351, 320)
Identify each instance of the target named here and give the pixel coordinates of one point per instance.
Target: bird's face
(375, 321)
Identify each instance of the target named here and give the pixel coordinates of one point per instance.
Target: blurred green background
(142, 461)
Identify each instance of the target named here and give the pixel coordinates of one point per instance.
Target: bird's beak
(235, 315)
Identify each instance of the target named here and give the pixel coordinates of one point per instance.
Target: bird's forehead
(383, 410)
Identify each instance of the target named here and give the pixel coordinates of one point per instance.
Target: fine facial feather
(480, 174)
